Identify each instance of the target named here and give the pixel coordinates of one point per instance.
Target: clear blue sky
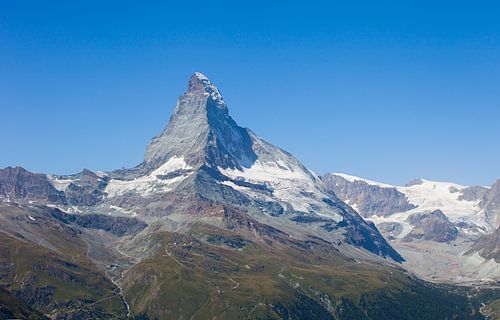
(391, 90)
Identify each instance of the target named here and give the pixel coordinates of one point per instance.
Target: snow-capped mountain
(440, 222)
(204, 155)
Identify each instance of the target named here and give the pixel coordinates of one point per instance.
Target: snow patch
(100, 174)
(152, 183)
(123, 210)
(433, 195)
(60, 184)
(290, 183)
(73, 209)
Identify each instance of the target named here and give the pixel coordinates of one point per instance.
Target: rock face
(18, 184)
(431, 226)
(390, 230)
(86, 189)
(202, 131)
(82, 189)
(491, 204)
(488, 246)
(368, 199)
(119, 226)
(473, 193)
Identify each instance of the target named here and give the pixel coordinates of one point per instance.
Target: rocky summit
(215, 223)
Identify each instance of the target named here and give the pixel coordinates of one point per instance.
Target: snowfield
(290, 184)
(152, 183)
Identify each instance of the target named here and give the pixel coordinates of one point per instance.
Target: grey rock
(87, 189)
(473, 193)
(390, 230)
(433, 226)
(490, 203)
(369, 199)
(202, 131)
(488, 246)
(414, 182)
(119, 226)
(20, 185)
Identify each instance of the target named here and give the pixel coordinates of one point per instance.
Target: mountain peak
(201, 131)
(200, 76)
(199, 83)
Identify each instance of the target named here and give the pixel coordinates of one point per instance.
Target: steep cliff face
(433, 226)
(85, 189)
(366, 198)
(20, 185)
(201, 131)
(82, 189)
(488, 246)
(490, 203)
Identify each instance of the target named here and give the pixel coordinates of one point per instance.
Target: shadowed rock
(431, 226)
(20, 185)
(369, 199)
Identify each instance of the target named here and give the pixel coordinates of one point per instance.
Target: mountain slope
(226, 277)
(13, 308)
(490, 204)
(488, 246)
(46, 263)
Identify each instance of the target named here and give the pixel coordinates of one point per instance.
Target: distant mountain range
(447, 232)
(217, 223)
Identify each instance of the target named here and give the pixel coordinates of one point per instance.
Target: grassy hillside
(53, 283)
(13, 308)
(44, 263)
(225, 279)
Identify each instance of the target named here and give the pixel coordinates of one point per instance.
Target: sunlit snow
(152, 183)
